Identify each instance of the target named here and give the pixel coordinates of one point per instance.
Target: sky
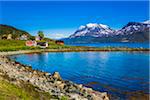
(59, 19)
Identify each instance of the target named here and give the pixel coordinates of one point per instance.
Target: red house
(59, 42)
(31, 43)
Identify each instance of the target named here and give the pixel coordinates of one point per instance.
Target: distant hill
(6, 30)
(96, 33)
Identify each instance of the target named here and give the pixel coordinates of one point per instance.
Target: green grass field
(12, 45)
(15, 45)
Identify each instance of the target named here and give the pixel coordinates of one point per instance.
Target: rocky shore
(47, 82)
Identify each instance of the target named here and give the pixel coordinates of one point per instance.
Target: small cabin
(24, 37)
(42, 44)
(31, 43)
(4, 37)
(37, 38)
(59, 42)
(9, 37)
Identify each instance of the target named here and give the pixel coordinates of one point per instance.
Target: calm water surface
(131, 45)
(114, 72)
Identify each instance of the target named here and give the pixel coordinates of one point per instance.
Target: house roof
(59, 41)
(41, 43)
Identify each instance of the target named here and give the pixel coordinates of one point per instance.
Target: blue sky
(59, 19)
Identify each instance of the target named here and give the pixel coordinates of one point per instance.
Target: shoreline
(88, 49)
(56, 84)
(47, 82)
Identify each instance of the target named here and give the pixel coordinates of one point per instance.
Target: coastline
(84, 49)
(47, 82)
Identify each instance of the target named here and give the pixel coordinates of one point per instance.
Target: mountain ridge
(93, 32)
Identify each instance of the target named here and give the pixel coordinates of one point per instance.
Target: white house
(24, 37)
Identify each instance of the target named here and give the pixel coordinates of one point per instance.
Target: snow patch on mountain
(104, 26)
(93, 30)
(81, 27)
(91, 25)
(147, 22)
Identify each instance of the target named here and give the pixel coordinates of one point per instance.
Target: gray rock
(56, 76)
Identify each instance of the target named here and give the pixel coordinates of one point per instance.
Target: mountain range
(95, 33)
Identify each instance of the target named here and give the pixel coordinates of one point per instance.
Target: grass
(12, 45)
(15, 45)
(10, 91)
(23, 91)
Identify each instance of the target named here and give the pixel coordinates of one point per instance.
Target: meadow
(16, 45)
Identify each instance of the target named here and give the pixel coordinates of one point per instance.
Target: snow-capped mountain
(133, 27)
(93, 30)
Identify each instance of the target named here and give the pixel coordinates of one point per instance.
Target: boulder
(104, 96)
(79, 86)
(47, 74)
(58, 82)
(34, 72)
(61, 86)
(100, 96)
(56, 76)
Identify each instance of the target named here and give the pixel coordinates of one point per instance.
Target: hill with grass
(5, 30)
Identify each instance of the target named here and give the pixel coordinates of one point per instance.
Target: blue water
(131, 45)
(114, 72)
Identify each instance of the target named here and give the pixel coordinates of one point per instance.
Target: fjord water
(114, 72)
(119, 44)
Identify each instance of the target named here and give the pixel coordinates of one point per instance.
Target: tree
(15, 35)
(41, 34)
(32, 38)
